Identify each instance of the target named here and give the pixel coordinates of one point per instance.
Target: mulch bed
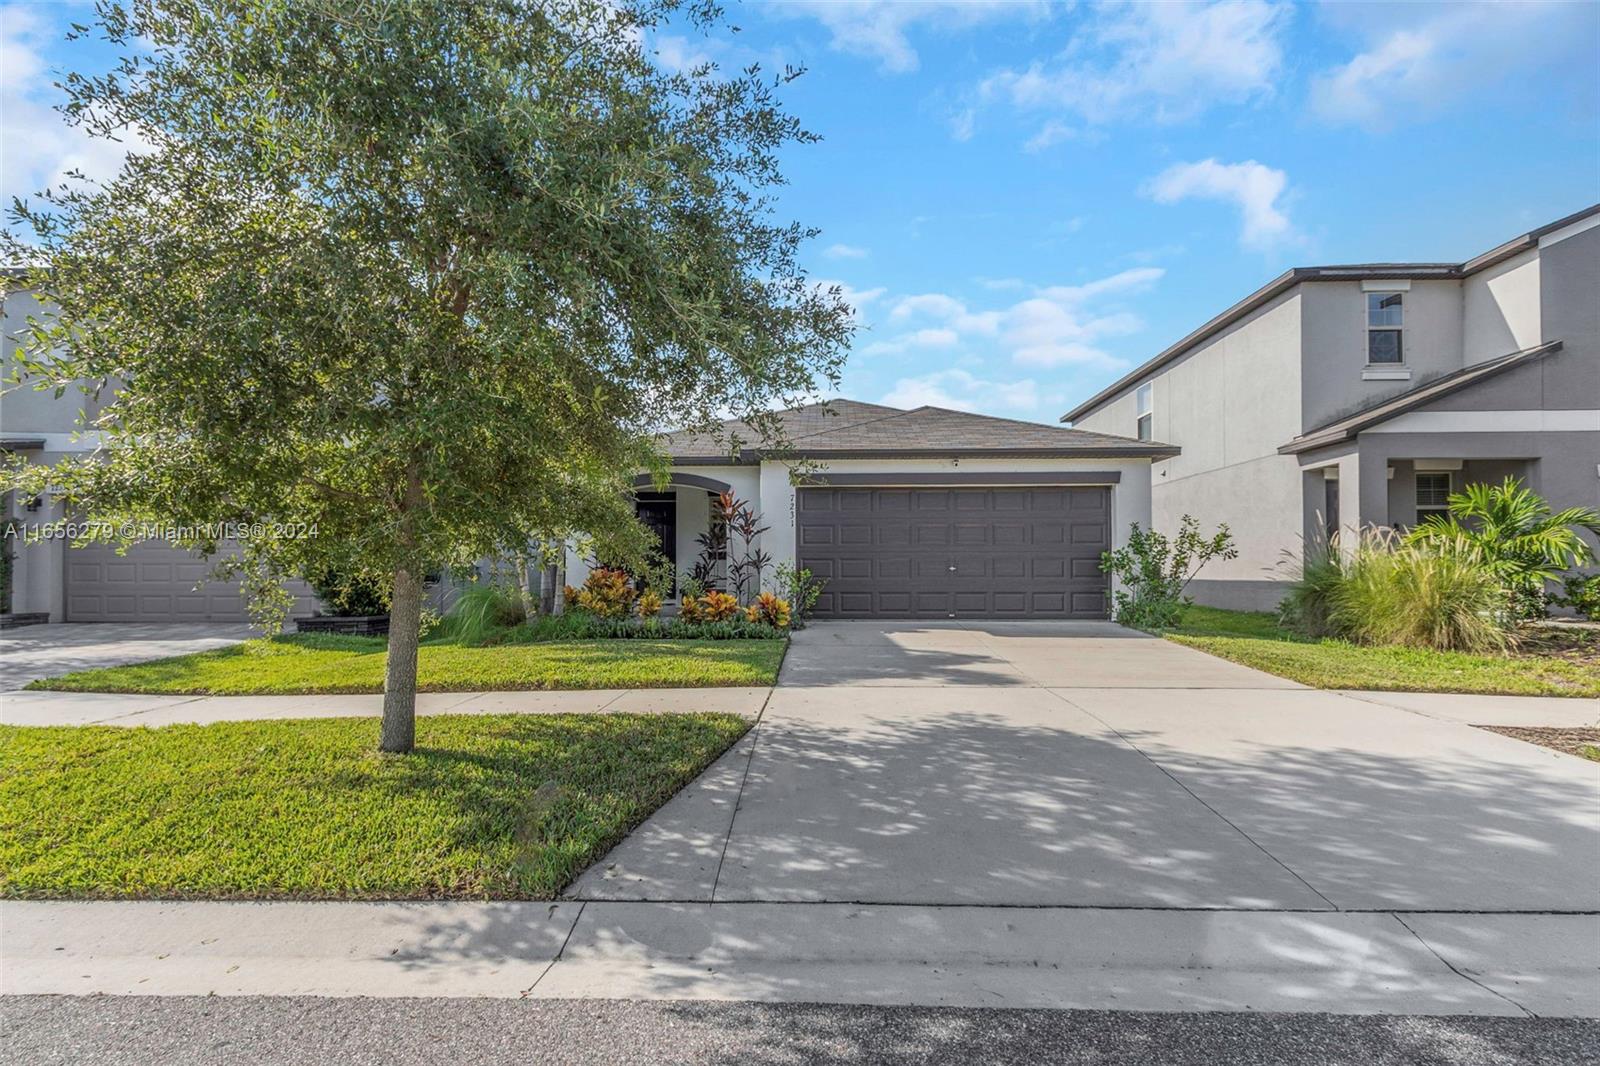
(1583, 742)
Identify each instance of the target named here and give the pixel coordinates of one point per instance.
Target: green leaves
(1510, 530)
(487, 250)
(1153, 571)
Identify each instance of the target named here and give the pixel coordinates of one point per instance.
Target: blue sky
(1025, 199)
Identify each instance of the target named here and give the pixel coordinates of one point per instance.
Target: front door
(659, 513)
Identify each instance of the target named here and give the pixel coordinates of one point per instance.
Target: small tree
(1154, 570)
(1513, 532)
(424, 276)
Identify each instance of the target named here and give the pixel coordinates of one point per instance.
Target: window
(1433, 495)
(1143, 399)
(1384, 327)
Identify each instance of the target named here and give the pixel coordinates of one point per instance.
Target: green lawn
(510, 806)
(306, 664)
(1256, 639)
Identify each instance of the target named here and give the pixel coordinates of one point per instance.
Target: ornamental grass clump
(1386, 591)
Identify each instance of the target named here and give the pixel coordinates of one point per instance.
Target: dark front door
(1330, 510)
(956, 553)
(659, 513)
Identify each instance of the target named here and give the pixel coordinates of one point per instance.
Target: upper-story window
(1144, 407)
(1385, 311)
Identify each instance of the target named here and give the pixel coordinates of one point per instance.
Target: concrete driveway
(1085, 766)
(64, 647)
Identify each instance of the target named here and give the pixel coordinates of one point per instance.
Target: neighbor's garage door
(153, 582)
(956, 553)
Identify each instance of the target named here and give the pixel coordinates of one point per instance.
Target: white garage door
(154, 582)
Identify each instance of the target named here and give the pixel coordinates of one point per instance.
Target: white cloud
(679, 55)
(960, 390)
(880, 29)
(858, 299)
(1056, 325)
(964, 123)
(1253, 188)
(1167, 61)
(1429, 58)
(1050, 134)
(41, 150)
(844, 251)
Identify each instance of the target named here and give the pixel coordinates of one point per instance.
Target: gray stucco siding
(1570, 312)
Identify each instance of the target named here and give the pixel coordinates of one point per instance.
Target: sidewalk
(117, 709)
(1344, 963)
(110, 708)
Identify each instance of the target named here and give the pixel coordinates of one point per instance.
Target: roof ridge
(1054, 427)
(895, 412)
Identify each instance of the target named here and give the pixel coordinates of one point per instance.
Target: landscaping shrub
(769, 610)
(607, 592)
(649, 604)
(1583, 596)
(1392, 593)
(1154, 571)
(480, 614)
(717, 607)
(1512, 531)
(802, 588)
(580, 625)
(349, 595)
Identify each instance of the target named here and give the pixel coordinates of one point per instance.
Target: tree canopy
(425, 275)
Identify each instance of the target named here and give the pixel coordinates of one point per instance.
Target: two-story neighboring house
(1342, 397)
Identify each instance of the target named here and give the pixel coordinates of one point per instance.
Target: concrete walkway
(116, 709)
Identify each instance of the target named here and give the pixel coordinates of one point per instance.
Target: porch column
(1374, 488)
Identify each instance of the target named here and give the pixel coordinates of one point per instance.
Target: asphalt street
(90, 1031)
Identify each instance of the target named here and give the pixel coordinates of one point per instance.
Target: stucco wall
(24, 410)
(1569, 270)
(1228, 404)
(1335, 345)
(1500, 309)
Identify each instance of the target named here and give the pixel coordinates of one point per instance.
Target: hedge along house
(927, 513)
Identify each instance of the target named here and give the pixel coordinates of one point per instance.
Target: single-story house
(926, 513)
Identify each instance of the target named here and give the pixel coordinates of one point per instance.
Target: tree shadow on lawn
(485, 807)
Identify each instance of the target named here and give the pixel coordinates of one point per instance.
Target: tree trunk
(530, 606)
(547, 577)
(400, 670)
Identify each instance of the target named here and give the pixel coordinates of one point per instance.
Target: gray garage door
(956, 553)
(154, 582)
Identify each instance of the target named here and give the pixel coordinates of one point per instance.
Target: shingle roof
(1348, 426)
(850, 429)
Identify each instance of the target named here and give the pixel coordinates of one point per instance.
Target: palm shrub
(1510, 530)
(1392, 592)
